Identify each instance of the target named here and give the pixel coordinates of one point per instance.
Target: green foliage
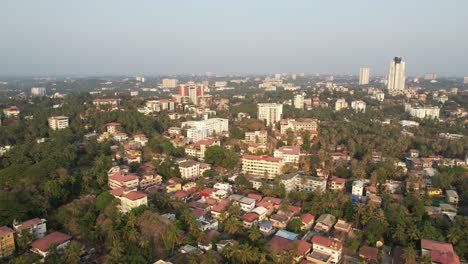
(221, 157)
(295, 225)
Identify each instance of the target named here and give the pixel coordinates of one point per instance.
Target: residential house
(36, 227)
(198, 149)
(7, 242)
(42, 246)
(278, 245)
(189, 169)
(337, 183)
(260, 137)
(129, 199)
(307, 221)
(451, 196)
(439, 252)
(370, 254)
(173, 185)
(123, 180)
(358, 188)
(325, 250)
(324, 223)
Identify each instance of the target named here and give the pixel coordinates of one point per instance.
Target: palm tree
(254, 234)
(232, 225)
(409, 254)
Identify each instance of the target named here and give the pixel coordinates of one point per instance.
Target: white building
(431, 112)
(396, 76)
(289, 154)
(198, 130)
(359, 106)
(197, 149)
(129, 199)
(169, 83)
(299, 101)
(341, 104)
(305, 183)
(364, 75)
(36, 227)
(189, 169)
(358, 188)
(271, 113)
(430, 76)
(38, 91)
(325, 250)
(260, 136)
(306, 124)
(58, 122)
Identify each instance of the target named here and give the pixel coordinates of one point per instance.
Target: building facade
(58, 122)
(396, 76)
(364, 75)
(270, 113)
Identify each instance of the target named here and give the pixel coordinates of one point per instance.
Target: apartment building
(305, 183)
(58, 122)
(198, 130)
(341, 104)
(423, 112)
(123, 180)
(107, 102)
(129, 199)
(289, 154)
(12, 111)
(358, 106)
(169, 83)
(189, 169)
(197, 149)
(265, 166)
(7, 241)
(358, 188)
(295, 125)
(260, 137)
(270, 113)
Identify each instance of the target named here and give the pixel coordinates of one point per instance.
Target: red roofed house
(279, 244)
(42, 245)
(307, 221)
(218, 209)
(11, 111)
(250, 219)
(197, 149)
(129, 199)
(337, 183)
(119, 180)
(36, 227)
(439, 252)
(325, 250)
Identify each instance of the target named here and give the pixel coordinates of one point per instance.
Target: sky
(152, 37)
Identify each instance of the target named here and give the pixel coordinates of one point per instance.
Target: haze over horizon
(110, 37)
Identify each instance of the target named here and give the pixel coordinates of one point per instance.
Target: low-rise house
(222, 186)
(120, 136)
(358, 188)
(286, 234)
(224, 243)
(279, 221)
(219, 209)
(370, 254)
(337, 183)
(129, 199)
(439, 252)
(56, 239)
(325, 250)
(36, 227)
(219, 195)
(250, 219)
(208, 244)
(113, 127)
(324, 223)
(307, 221)
(266, 228)
(7, 242)
(246, 204)
(343, 226)
(149, 181)
(173, 185)
(451, 196)
(278, 245)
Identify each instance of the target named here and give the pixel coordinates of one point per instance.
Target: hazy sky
(56, 37)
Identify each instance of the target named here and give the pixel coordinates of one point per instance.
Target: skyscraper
(396, 76)
(364, 75)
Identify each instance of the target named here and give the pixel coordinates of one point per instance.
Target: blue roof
(287, 234)
(266, 224)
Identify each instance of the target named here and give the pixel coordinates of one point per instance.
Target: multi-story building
(7, 241)
(358, 188)
(289, 154)
(149, 181)
(189, 169)
(12, 111)
(299, 101)
(305, 183)
(364, 75)
(306, 124)
(198, 130)
(260, 137)
(465, 80)
(169, 83)
(38, 91)
(341, 104)
(325, 250)
(160, 105)
(359, 106)
(430, 76)
(107, 101)
(36, 227)
(451, 196)
(396, 76)
(265, 166)
(270, 113)
(58, 122)
(121, 180)
(431, 112)
(191, 92)
(56, 239)
(197, 149)
(129, 199)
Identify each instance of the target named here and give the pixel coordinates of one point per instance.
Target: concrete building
(439, 252)
(189, 169)
(12, 111)
(295, 125)
(430, 76)
(42, 246)
(423, 112)
(271, 113)
(58, 122)
(129, 199)
(359, 106)
(325, 250)
(451, 196)
(304, 183)
(264, 166)
(260, 136)
(358, 188)
(38, 91)
(169, 83)
(341, 104)
(289, 154)
(36, 227)
(364, 73)
(122, 180)
(299, 101)
(7, 242)
(396, 76)
(198, 130)
(197, 149)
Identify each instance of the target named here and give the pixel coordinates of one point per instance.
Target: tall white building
(198, 130)
(396, 76)
(58, 122)
(358, 106)
(38, 91)
(299, 101)
(271, 113)
(422, 112)
(169, 83)
(364, 75)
